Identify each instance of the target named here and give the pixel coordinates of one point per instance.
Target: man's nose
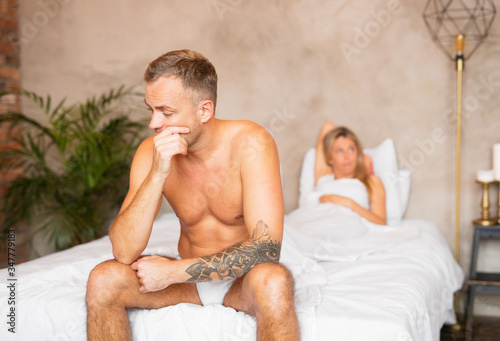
(156, 121)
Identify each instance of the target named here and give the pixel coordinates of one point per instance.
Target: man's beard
(193, 137)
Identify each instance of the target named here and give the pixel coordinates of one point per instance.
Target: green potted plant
(75, 167)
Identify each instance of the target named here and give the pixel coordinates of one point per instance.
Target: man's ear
(205, 110)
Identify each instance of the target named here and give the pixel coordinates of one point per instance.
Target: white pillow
(306, 184)
(396, 182)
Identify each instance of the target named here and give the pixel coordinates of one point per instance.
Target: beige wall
(284, 65)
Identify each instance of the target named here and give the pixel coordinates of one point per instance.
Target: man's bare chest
(214, 193)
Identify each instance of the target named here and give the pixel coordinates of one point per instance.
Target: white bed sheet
(404, 293)
(50, 297)
(400, 290)
(384, 282)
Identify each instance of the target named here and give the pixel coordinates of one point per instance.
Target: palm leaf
(75, 167)
(16, 119)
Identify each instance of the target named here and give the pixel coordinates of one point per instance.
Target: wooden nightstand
(480, 282)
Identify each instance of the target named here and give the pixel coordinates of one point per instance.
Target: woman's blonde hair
(360, 171)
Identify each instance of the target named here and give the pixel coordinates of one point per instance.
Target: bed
(354, 280)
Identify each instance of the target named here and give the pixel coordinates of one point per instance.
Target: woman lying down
(355, 225)
(343, 172)
(342, 206)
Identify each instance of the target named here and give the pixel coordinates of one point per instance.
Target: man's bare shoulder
(243, 126)
(146, 146)
(143, 155)
(248, 134)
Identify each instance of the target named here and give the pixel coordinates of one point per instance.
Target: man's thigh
(247, 291)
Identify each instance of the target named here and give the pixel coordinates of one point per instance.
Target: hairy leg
(266, 292)
(112, 288)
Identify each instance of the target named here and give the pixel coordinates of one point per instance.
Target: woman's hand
(375, 215)
(336, 199)
(369, 164)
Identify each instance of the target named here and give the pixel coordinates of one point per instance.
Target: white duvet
(384, 282)
(353, 282)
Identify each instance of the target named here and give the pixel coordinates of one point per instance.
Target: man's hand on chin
(154, 272)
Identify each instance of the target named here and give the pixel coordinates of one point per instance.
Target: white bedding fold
(329, 232)
(395, 281)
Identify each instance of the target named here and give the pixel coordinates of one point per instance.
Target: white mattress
(399, 289)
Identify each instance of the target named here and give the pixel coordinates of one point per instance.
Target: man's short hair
(197, 74)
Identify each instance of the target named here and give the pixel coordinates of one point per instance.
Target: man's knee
(274, 281)
(105, 280)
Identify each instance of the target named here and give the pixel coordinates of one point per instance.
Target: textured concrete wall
(289, 66)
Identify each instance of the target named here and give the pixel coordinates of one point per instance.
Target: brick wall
(9, 79)
(9, 73)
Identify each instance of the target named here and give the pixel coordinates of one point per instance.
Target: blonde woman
(344, 174)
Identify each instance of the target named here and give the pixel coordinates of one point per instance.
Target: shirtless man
(222, 180)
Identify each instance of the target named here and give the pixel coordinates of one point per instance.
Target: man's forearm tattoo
(237, 260)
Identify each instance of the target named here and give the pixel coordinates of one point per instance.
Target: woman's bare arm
(376, 214)
(321, 166)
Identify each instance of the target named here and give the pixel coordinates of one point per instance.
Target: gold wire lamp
(458, 27)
